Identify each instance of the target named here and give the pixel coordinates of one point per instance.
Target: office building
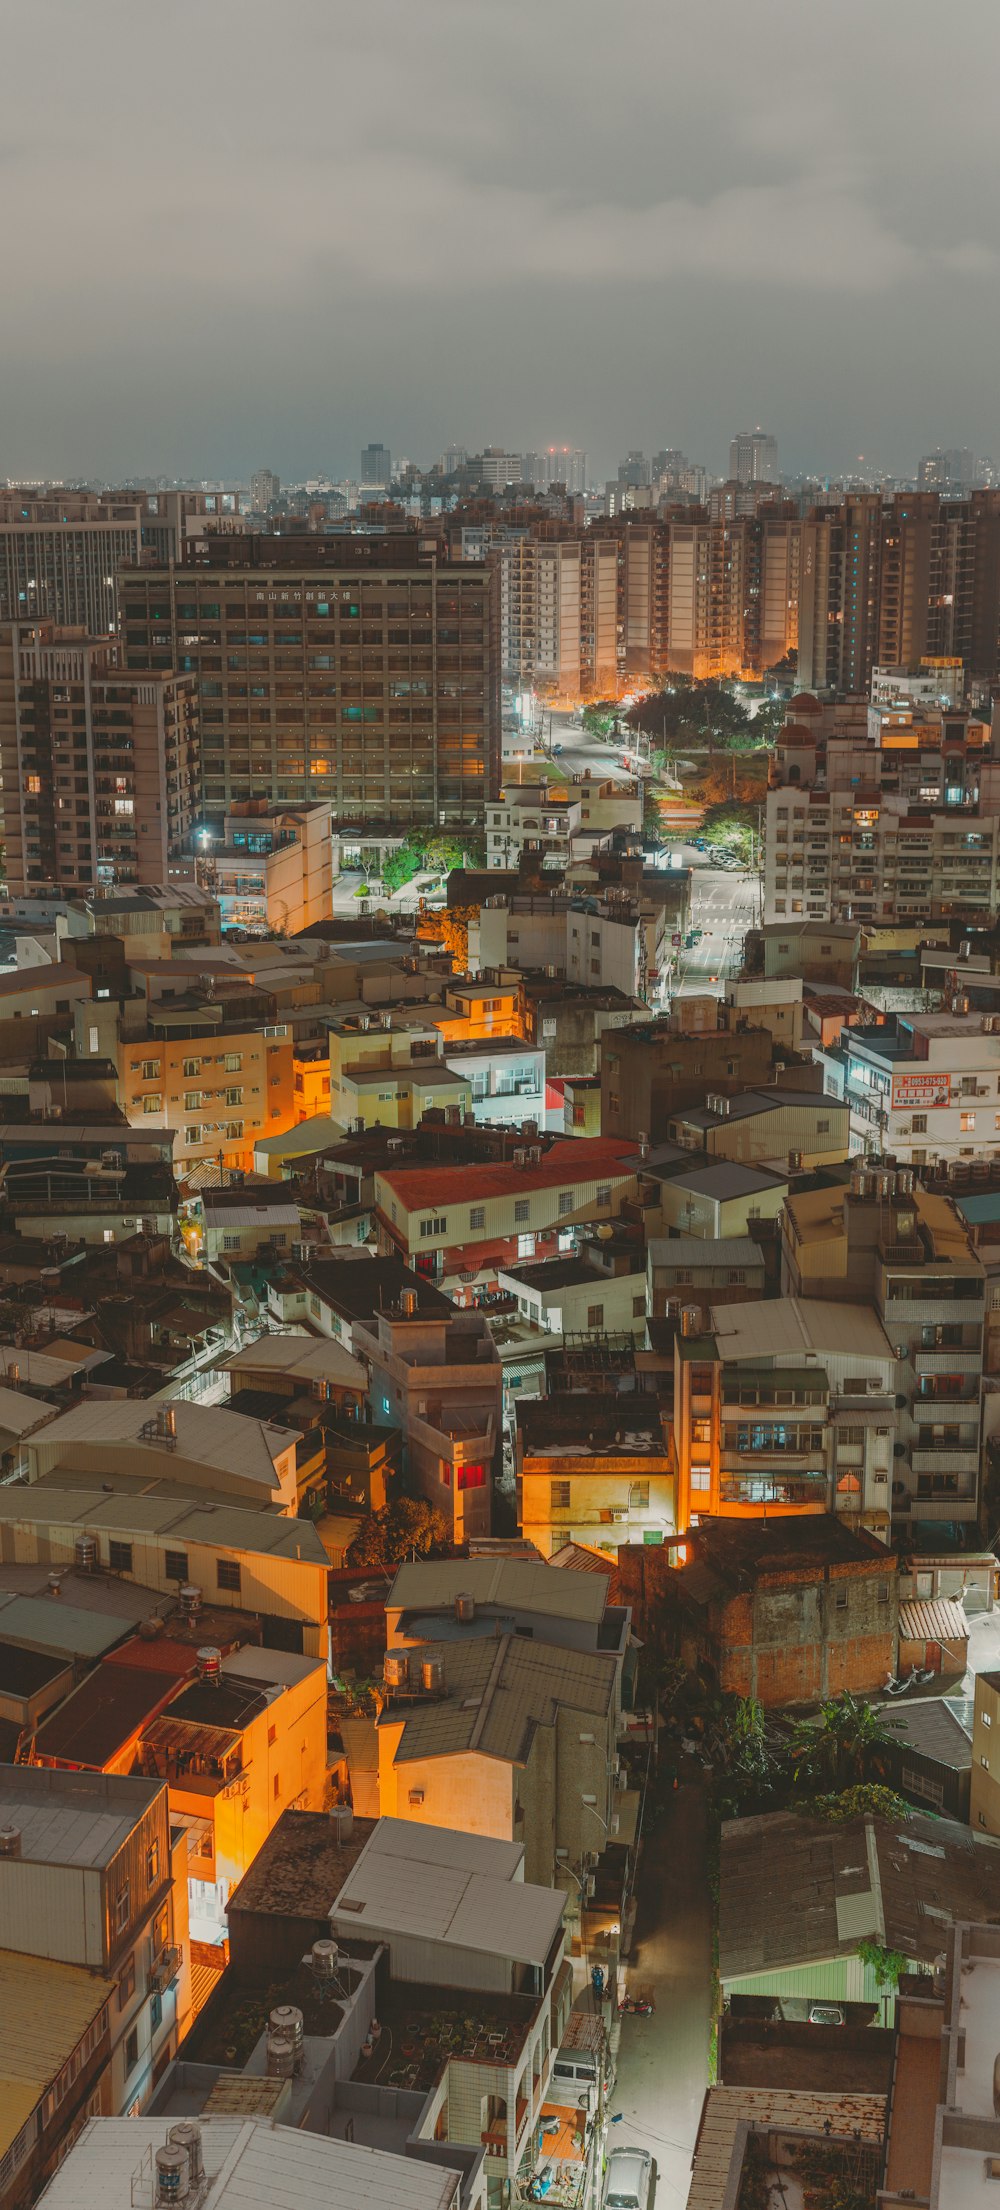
(376, 466)
(100, 765)
(265, 490)
(357, 670)
(497, 469)
(753, 457)
(952, 468)
(61, 551)
(565, 464)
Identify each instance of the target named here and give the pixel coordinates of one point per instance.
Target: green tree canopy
(386, 1537)
(867, 1798)
(842, 1744)
(730, 827)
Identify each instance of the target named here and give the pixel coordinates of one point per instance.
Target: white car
(628, 2180)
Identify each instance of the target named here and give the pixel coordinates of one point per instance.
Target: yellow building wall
(597, 1494)
(264, 1078)
(290, 1770)
(311, 1083)
(473, 1794)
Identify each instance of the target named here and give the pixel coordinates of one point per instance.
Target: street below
(724, 907)
(663, 2059)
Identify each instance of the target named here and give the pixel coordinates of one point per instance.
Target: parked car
(825, 2014)
(628, 2180)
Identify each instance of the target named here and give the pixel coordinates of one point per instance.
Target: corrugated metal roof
(72, 1818)
(728, 2109)
(251, 2164)
(575, 1557)
(786, 1326)
(451, 1889)
(94, 1724)
(169, 1512)
(45, 2010)
(208, 1435)
(50, 1624)
(727, 1178)
(314, 1357)
(933, 1619)
(515, 1584)
(497, 1694)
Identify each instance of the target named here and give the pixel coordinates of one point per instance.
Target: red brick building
(789, 1610)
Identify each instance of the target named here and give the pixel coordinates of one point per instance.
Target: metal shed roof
(251, 2164)
(935, 1619)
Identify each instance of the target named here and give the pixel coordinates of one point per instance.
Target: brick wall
(788, 1640)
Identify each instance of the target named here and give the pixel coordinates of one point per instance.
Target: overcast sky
(242, 233)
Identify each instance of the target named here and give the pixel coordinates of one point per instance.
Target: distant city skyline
(937, 464)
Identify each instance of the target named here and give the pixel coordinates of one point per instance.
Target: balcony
(166, 1967)
(772, 1486)
(958, 1458)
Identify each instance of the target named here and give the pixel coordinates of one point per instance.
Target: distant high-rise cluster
(265, 491)
(376, 466)
(753, 457)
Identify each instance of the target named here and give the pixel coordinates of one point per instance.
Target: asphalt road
(581, 753)
(723, 905)
(663, 2059)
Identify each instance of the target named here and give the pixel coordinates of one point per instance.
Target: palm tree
(841, 1745)
(741, 1742)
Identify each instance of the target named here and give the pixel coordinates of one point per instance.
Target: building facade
(360, 671)
(100, 766)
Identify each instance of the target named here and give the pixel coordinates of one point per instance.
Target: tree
(842, 1745)
(401, 865)
(386, 1537)
(868, 1798)
(886, 1964)
(449, 927)
(730, 827)
(743, 1749)
(599, 717)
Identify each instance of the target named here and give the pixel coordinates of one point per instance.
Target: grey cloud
(259, 227)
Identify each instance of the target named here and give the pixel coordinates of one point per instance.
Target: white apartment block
(924, 1088)
(901, 826)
